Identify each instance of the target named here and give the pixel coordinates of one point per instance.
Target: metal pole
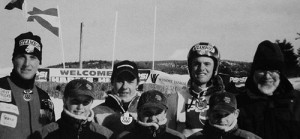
(80, 61)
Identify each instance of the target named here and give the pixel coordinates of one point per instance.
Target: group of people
(268, 108)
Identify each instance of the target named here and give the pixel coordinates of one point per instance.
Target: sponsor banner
(93, 75)
(58, 72)
(144, 74)
(173, 82)
(42, 75)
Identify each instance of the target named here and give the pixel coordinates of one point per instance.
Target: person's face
(223, 118)
(148, 117)
(26, 65)
(267, 81)
(79, 105)
(125, 86)
(202, 70)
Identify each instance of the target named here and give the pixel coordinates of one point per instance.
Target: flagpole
(60, 38)
(25, 13)
(154, 33)
(80, 61)
(114, 42)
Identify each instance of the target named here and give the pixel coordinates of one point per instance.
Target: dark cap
(79, 87)
(125, 66)
(27, 43)
(268, 56)
(152, 100)
(222, 102)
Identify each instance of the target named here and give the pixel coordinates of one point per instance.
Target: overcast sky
(236, 27)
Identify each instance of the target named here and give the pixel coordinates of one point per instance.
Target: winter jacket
(110, 112)
(270, 117)
(70, 126)
(138, 132)
(20, 119)
(210, 132)
(187, 109)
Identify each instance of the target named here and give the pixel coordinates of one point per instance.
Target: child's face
(223, 118)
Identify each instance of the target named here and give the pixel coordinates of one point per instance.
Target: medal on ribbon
(27, 94)
(126, 119)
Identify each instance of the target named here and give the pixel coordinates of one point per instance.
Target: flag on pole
(48, 19)
(14, 4)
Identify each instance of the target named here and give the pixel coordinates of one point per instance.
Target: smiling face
(148, 117)
(79, 105)
(266, 81)
(125, 86)
(223, 119)
(202, 70)
(26, 65)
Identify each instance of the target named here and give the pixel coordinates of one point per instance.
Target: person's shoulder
(101, 129)
(4, 83)
(42, 92)
(100, 109)
(49, 128)
(125, 135)
(246, 134)
(175, 133)
(196, 135)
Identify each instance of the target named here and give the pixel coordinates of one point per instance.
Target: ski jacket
(71, 127)
(21, 119)
(210, 132)
(270, 117)
(138, 132)
(187, 109)
(110, 113)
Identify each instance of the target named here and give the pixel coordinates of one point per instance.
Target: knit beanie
(268, 56)
(27, 43)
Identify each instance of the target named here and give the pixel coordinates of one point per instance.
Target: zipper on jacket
(30, 120)
(123, 111)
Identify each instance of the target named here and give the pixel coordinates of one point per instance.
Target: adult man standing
(191, 106)
(24, 108)
(119, 109)
(270, 106)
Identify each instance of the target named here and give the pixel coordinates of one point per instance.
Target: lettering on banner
(68, 79)
(85, 73)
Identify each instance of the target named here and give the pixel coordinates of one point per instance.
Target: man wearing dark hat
(151, 119)
(77, 117)
(222, 120)
(270, 106)
(24, 107)
(119, 109)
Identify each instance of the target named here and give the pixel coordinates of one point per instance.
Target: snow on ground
(58, 106)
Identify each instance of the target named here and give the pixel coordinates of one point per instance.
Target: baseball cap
(152, 101)
(125, 66)
(79, 87)
(27, 43)
(223, 102)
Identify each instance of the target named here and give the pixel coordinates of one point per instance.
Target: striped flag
(14, 4)
(48, 19)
